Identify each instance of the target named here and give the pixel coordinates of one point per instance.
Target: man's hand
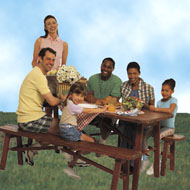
(63, 97)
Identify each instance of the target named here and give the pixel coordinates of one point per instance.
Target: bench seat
(120, 155)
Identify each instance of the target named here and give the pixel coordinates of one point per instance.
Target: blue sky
(156, 34)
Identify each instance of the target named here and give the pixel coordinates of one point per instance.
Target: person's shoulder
(39, 40)
(95, 76)
(115, 77)
(34, 74)
(125, 83)
(37, 72)
(174, 100)
(65, 44)
(143, 83)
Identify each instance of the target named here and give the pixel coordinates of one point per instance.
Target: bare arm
(36, 51)
(166, 110)
(53, 101)
(151, 103)
(65, 53)
(95, 110)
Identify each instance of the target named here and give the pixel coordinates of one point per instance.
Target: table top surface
(149, 117)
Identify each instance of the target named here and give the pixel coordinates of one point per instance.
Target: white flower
(68, 74)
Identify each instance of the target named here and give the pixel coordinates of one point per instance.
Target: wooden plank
(111, 151)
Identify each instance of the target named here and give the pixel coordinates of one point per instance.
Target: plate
(128, 113)
(88, 105)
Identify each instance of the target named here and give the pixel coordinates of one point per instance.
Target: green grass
(47, 173)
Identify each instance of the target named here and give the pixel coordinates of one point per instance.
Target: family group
(50, 52)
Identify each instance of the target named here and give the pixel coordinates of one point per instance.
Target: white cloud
(154, 33)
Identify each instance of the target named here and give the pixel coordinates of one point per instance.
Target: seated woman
(135, 86)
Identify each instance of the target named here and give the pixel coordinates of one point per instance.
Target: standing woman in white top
(51, 40)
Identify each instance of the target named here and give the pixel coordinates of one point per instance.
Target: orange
(111, 108)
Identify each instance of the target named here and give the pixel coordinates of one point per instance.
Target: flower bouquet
(66, 76)
(132, 103)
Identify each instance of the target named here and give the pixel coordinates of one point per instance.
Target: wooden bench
(169, 143)
(120, 155)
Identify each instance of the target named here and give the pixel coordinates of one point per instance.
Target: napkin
(128, 113)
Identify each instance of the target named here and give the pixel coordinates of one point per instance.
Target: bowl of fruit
(132, 103)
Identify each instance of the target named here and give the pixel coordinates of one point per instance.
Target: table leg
(156, 134)
(137, 162)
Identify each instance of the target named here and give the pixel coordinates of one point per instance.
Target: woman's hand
(152, 108)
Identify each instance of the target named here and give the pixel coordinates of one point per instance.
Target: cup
(111, 108)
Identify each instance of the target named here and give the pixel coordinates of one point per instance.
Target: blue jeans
(69, 132)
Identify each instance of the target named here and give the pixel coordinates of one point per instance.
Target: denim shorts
(38, 126)
(69, 132)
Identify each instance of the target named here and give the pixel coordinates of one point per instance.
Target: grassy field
(47, 173)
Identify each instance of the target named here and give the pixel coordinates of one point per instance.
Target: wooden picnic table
(142, 121)
(147, 118)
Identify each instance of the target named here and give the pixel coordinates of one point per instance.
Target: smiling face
(46, 63)
(77, 98)
(133, 75)
(166, 92)
(106, 70)
(51, 25)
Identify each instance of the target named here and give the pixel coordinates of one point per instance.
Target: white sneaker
(144, 165)
(150, 170)
(82, 163)
(79, 162)
(102, 141)
(70, 172)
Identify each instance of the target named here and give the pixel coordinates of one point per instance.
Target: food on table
(108, 100)
(131, 103)
(111, 108)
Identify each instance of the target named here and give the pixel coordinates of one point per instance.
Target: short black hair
(109, 59)
(170, 82)
(133, 65)
(44, 50)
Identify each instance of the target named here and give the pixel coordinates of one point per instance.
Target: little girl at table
(167, 104)
(68, 121)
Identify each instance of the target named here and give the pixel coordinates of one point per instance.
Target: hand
(152, 108)
(105, 107)
(63, 97)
